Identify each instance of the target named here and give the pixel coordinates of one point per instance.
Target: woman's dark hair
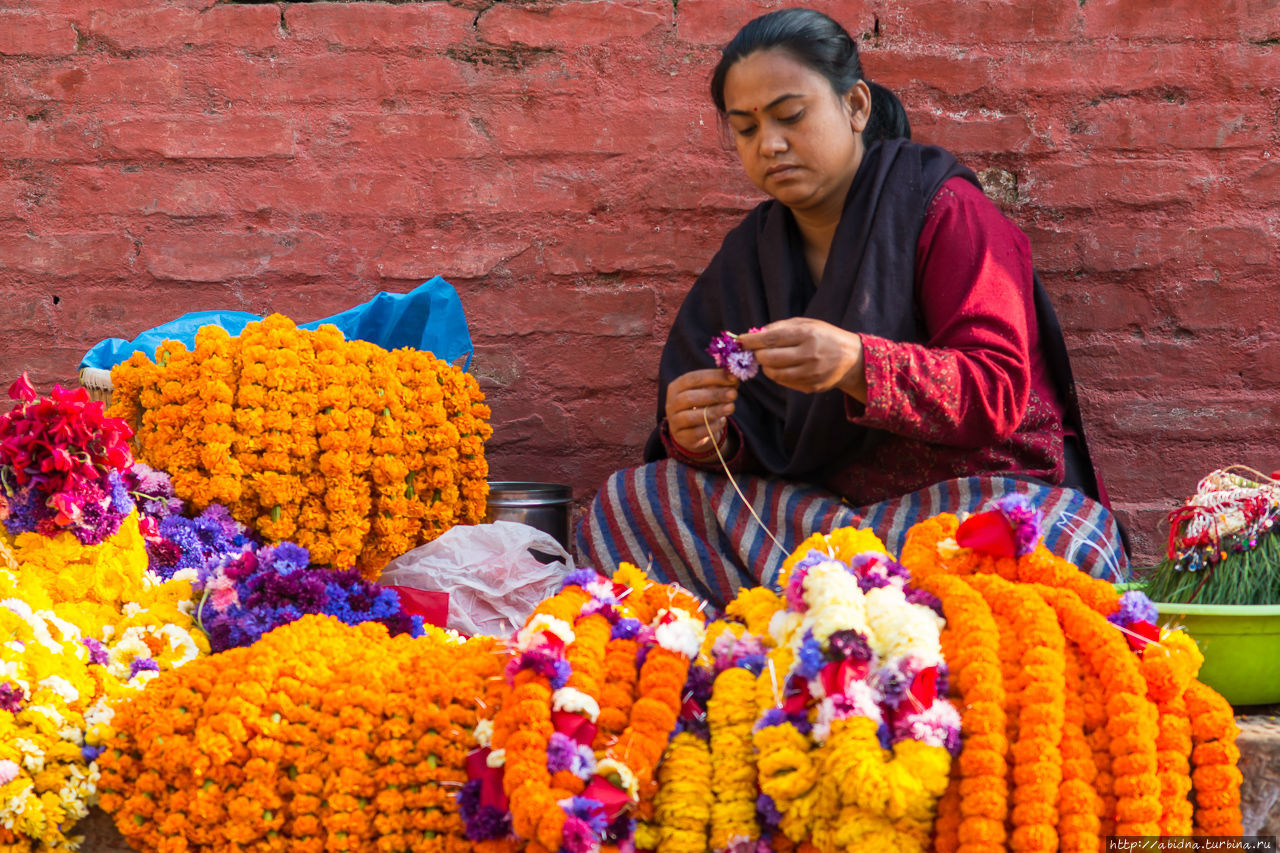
(820, 43)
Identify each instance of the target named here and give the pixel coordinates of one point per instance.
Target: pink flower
(9, 769)
(223, 593)
(22, 389)
(70, 510)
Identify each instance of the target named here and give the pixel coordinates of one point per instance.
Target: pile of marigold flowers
(356, 453)
(82, 625)
(1082, 717)
(319, 737)
(972, 697)
(816, 718)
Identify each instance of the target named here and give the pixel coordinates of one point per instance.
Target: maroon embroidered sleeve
(968, 386)
(741, 460)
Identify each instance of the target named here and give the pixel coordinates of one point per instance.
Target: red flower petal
(22, 389)
(613, 798)
(491, 793)
(575, 726)
(1147, 633)
(988, 532)
(925, 686)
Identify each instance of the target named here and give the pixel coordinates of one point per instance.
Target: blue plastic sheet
(429, 317)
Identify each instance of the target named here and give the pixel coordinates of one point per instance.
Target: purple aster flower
(620, 831)
(809, 659)
(1025, 518)
(1134, 607)
(11, 698)
(915, 595)
(625, 628)
(768, 811)
(580, 577)
(771, 717)
(142, 665)
(24, 514)
(589, 811)
(481, 823)
(849, 644)
(892, 682)
(90, 753)
(285, 557)
(866, 583)
(730, 355)
(562, 752)
(97, 651)
(550, 666)
(148, 481)
(162, 557)
(121, 502)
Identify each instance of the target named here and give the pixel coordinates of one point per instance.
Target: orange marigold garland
(357, 453)
(321, 736)
(1079, 806)
(1215, 776)
(1131, 718)
(1169, 666)
(563, 794)
(931, 547)
(973, 811)
(1035, 749)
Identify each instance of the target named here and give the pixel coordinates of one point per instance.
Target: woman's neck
(817, 228)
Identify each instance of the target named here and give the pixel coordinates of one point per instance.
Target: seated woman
(910, 361)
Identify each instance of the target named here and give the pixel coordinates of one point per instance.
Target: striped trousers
(690, 526)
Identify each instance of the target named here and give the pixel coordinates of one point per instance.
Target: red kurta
(977, 397)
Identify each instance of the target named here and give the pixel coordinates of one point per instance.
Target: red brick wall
(561, 165)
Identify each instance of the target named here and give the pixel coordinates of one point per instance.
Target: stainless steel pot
(541, 505)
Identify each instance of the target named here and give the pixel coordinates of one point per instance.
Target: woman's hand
(810, 355)
(690, 396)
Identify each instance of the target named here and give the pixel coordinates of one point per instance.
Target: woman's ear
(858, 101)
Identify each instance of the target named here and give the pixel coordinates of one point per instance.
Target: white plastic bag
(493, 580)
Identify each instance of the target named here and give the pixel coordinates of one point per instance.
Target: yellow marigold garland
(684, 800)
(356, 453)
(731, 712)
(84, 625)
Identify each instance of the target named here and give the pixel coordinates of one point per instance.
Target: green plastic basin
(1241, 647)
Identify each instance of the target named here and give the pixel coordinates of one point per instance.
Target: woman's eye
(745, 131)
(793, 118)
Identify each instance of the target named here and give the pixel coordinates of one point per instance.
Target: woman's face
(798, 140)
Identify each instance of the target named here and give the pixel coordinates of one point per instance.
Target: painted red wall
(561, 165)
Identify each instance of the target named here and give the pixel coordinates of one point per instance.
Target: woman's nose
(772, 140)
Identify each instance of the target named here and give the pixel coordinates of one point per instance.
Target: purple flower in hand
(731, 356)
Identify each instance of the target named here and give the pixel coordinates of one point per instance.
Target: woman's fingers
(805, 354)
(698, 406)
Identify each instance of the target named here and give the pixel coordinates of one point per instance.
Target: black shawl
(868, 286)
